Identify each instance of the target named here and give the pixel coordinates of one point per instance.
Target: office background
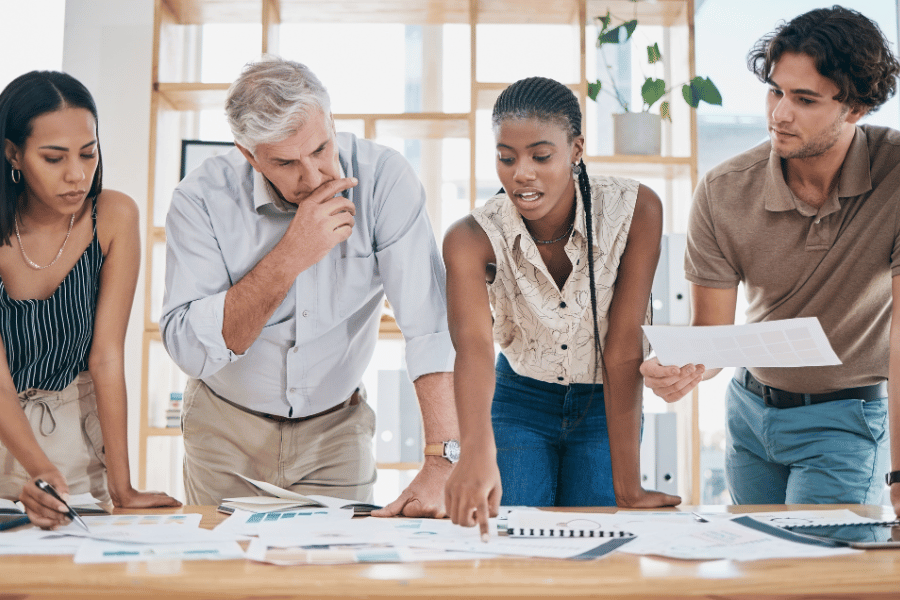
(108, 44)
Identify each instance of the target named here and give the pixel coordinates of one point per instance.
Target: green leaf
(652, 90)
(653, 54)
(709, 93)
(629, 27)
(701, 89)
(665, 112)
(615, 35)
(594, 89)
(604, 21)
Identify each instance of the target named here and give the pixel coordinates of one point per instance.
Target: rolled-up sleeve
(412, 270)
(196, 283)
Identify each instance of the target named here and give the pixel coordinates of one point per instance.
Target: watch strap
(892, 477)
(436, 449)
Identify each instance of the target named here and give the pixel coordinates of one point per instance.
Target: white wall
(108, 46)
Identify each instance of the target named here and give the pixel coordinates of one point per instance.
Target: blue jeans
(829, 453)
(552, 442)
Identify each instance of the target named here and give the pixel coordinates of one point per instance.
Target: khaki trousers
(329, 455)
(67, 428)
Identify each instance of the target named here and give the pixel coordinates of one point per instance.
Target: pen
(46, 487)
(699, 518)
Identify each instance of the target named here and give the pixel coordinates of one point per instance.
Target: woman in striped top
(69, 257)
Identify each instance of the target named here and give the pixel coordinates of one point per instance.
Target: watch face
(451, 451)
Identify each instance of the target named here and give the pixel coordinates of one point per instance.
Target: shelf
(423, 12)
(161, 431)
(201, 12)
(176, 93)
(193, 96)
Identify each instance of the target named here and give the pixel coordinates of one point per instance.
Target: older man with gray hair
(279, 256)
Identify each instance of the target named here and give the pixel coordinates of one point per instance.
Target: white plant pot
(636, 133)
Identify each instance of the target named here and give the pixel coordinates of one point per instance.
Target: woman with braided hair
(569, 261)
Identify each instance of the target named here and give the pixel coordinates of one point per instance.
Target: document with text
(787, 343)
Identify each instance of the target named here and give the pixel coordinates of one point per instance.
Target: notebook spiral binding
(529, 532)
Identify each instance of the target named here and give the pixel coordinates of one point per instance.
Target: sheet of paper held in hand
(787, 343)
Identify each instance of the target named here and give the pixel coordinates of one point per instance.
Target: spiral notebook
(791, 519)
(538, 523)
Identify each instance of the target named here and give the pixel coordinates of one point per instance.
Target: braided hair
(550, 101)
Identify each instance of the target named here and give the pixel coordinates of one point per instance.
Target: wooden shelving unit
(177, 93)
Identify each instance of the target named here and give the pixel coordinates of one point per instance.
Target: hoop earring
(576, 170)
(16, 176)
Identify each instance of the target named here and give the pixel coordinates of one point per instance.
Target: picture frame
(194, 152)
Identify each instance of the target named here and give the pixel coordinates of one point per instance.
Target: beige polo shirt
(834, 263)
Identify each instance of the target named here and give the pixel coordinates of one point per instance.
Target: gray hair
(271, 100)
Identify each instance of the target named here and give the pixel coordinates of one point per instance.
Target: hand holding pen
(46, 487)
(44, 510)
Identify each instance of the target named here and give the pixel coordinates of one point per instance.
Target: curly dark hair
(847, 47)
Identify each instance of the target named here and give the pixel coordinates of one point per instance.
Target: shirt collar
(515, 224)
(265, 193)
(854, 179)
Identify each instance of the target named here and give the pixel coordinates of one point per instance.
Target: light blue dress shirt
(312, 353)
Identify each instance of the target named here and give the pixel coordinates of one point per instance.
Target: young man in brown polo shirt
(810, 223)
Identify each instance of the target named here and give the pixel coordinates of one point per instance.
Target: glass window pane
(226, 48)
(362, 65)
(507, 53)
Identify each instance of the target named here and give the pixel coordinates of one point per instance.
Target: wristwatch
(448, 450)
(892, 477)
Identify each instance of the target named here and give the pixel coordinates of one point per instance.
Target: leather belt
(354, 399)
(782, 399)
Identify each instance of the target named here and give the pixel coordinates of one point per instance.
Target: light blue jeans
(552, 442)
(828, 453)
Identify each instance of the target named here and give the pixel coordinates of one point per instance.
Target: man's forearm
(251, 301)
(435, 393)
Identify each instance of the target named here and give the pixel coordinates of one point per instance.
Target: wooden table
(872, 574)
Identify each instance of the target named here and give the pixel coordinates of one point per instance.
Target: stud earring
(576, 170)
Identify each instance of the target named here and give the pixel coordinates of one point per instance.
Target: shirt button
(562, 304)
(817, 221)
(305, 313)
(296, 350)
(564, 347)
(292, 390)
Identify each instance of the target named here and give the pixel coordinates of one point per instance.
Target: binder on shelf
(659, 453)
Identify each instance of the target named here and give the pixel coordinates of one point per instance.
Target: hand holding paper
(787, 343)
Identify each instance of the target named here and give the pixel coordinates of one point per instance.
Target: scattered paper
(787, 343)
(96, 551)
(282, 499)
(246, 523)
(818, 518)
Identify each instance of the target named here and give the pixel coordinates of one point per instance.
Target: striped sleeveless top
(47, 341)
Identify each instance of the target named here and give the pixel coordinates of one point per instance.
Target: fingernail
(485, 537)
(354, 180)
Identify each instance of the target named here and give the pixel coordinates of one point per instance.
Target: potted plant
(638, 132)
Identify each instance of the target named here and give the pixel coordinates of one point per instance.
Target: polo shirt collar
(854, 179)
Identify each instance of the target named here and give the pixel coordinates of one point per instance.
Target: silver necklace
(30, 262)
(559, 239)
